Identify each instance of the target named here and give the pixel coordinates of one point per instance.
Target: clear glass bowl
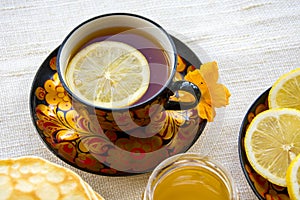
(192, 161)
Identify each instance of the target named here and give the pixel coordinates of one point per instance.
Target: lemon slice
(272, 140)
(293, 179)
(285, 93)
(109, 74)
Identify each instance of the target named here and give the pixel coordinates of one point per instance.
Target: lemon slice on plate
(272, 140)
(109, 74)
(285, 93)
(293, 179)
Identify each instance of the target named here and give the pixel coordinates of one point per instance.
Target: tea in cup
(121, 66)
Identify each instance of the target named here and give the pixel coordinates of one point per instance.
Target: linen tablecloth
(254, 42)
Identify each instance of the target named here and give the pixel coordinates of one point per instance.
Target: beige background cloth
(254, 42)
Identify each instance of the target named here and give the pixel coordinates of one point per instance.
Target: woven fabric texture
(254, 42)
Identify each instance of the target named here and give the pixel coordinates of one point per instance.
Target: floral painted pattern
(262, 186)
(75, 135)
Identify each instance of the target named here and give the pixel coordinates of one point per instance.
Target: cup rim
(140, 104)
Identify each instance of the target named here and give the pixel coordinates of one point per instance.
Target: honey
(191, 183)
(190, 176)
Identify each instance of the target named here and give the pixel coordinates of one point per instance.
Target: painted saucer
(79, 141)
(262, 188)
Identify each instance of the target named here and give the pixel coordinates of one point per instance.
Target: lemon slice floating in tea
(285, 93)
(109, 74)
(272, 141)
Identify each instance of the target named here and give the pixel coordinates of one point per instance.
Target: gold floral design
(88, 161)
(140, 145)
(75, 135)
(135, 158)
(61, 126)
(56, 95)
(40, 93)
(128, 120)
(266, 189)
(52, 63)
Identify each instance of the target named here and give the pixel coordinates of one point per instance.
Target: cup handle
(187, 87)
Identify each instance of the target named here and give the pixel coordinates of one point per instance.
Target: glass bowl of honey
(190, 176)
